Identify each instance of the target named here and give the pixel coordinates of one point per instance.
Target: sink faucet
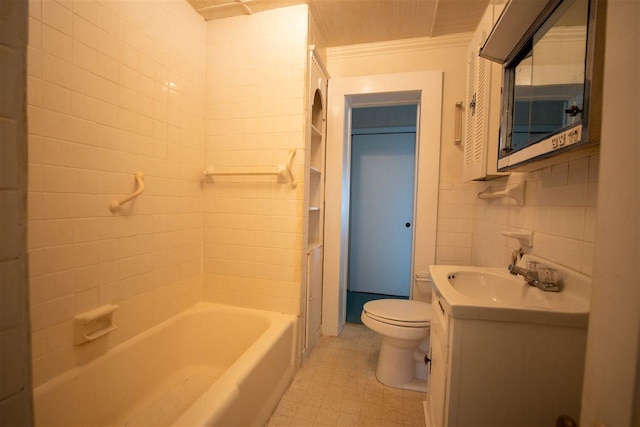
(530, 276)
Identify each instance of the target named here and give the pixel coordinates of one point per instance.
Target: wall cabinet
(482, 106)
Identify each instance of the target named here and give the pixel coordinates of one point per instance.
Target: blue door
(381, 217)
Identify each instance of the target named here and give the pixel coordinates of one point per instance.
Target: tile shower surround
(15, 376)
(253, 228)
(120, 87)
(111, 91)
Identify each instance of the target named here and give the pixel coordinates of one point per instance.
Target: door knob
(408, 224)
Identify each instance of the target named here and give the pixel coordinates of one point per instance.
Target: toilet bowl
(404, 327)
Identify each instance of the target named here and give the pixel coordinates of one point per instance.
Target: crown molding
(398, 46)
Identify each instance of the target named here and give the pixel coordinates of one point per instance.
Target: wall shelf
(514, 192)
(524, 236)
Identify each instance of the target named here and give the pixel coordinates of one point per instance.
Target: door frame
(423, 88)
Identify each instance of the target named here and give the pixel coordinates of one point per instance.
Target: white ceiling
(346, 22)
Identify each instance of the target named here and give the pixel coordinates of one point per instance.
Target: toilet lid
(399, 312)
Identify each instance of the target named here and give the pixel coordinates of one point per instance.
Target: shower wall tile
(113, 88)
(254, 112)
(15, 384)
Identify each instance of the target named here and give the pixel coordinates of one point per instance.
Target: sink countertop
(492, 293)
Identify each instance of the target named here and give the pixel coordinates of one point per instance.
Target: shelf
(316, 141)
(315, 188)
(316, 152)
(315, 131)
(514, 192)
(313, 246)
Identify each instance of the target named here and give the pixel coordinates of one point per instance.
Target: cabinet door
(482, 107)
(439, 343)
(438, 374)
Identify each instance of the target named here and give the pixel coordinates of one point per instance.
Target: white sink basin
(494, 294)
(487, 286)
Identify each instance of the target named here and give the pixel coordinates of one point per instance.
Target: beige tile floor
(337, 386)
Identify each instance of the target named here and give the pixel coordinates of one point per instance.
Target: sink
(494, 294)
(487, 286)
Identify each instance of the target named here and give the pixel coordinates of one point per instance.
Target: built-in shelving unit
(314, 200)
(316, 169)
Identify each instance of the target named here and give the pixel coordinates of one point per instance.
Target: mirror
(549, 80)
(547, 85)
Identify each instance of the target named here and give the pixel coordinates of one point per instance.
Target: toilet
(404, 326)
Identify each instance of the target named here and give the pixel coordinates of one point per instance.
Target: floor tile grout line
(336, 386)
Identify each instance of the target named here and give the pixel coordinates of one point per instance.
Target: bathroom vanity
(504, 353)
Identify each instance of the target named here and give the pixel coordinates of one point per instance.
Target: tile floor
(337, 386)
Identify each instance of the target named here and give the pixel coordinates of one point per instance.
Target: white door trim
(423, 88)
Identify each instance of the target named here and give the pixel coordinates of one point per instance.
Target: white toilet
(404, 326)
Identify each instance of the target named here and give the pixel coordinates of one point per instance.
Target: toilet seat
(399, 312)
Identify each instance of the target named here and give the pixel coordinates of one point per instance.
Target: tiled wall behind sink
(559, 207)
(113, 88)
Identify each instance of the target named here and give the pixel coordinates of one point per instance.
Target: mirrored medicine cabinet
(551, 81)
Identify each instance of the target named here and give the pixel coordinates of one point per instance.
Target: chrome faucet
(530, 276)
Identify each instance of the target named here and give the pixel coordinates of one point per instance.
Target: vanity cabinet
(482, 106)
(502, 373)
(439, 354)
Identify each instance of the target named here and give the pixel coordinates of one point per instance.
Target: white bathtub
(212, 365)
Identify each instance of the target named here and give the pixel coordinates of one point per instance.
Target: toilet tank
(421, 286)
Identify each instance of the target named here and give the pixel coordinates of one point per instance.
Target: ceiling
(347, 22)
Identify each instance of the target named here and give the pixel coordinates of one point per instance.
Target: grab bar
(283, 172)
(115, 205)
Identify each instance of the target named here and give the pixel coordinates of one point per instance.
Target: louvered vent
(470, 111)
(481, 110)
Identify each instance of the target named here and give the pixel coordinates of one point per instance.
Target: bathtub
(211, 365)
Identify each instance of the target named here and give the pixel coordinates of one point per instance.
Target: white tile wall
(560, 207)
(15, 383)
(254, 112)
(456, 203)
(113, 88)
